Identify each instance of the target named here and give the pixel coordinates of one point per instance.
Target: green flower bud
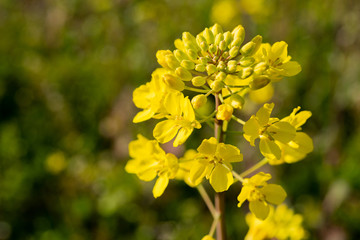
(200, 67)
(189, 41)
(220, 76)
(180, 55)
(192, 54)
(231, 66)
(222, 45)
(173, 82)
(204, 46)
(219, 38)
(221, 66)
(209, 36)
(216, 29)
(217, 85)
(245, 72)
(238, 36)
(187, 64)
(234, 51)
(184, 74)
(260, 68)
(204, 60)
(212, 48)
(228, 38)
(247, 61)
(198, 81)
(248, 48)
(236, 101)
(199, 39)
(225, 54)
(257, 40)
(259, 82)
(161, 57)
(198, 101)
(210, 69)
(171, 61)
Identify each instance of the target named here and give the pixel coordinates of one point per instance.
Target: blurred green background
(67, 72)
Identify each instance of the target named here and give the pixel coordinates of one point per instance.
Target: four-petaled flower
(150, 160)
(180, 120)
(214, 162)
(259, 193)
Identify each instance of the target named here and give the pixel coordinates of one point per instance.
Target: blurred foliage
(67, 72)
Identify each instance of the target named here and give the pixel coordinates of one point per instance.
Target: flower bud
(173, 82)
(198, 81)
(184, 74)
(199, 39)
(260, 68)
(200, 67)
(192, 54)
(204, 46)
(210, 69)
(231, 66)
(259, 82)
(189, 41)
(161, 57)
(216, 29)
(203, 60)
(180, 55)
(198, 101)
(217, 85)
(238, 36)
(257, 40)
(228, 38)
(248, 48)
(209, 36)
(236, 101)
(171, 61)
(222, 45)
(247, 61)
(219, 38)
(245, 72)
(234, 51)
(225, 112)
(212, 48)
(221, 66)
(220, 76)
(187, 64)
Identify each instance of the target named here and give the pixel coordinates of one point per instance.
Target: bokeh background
(67, 72)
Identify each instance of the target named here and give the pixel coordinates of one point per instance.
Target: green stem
(238, 120)
(237, 176)
(207, 201)
(255, 167)
(196, 89)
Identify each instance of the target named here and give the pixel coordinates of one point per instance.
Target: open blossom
(259, 194)
(271, 132)
(214, 162)
(180, 120)
(150, 160)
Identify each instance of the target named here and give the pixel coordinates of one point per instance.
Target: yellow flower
(185, 164)
(180, 120)
(277, 62)
(150, 97)
(281, 224)
(214, 162)
(207, 237)
(150, 160)
(301, 145)
(271, 131)
(259, 193)
(225, 112)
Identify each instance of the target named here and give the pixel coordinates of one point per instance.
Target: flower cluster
(217, 65)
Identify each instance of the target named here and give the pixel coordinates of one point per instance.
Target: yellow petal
(264, 112)
(208, 146)
(290, 68)
(188, 110)
(260, 209)
(221, 178)
(260, 178)
(182, 136)
(282, 131)
(274, 193)
(197, 172)
(229, 153)
(160, 186)
(251, 130)
(279, 50)
(173, 103)
(166, 130)
(269, 149)
(143, 115)
(245, 192)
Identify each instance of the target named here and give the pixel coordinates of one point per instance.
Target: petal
(197, 172)
(160, 186)
(182, 136)
(251, 130)
(188, 110)
(166, 130)
(221, 178)
(282, 131)
(269, 149)
(260, 209)
(245, 192)
(279, 50)
(173, 102)
(143, 115)
(229, 153)
(274, 193)
(208, 146)
(264, 113)
(260, 178)
(290, 68)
